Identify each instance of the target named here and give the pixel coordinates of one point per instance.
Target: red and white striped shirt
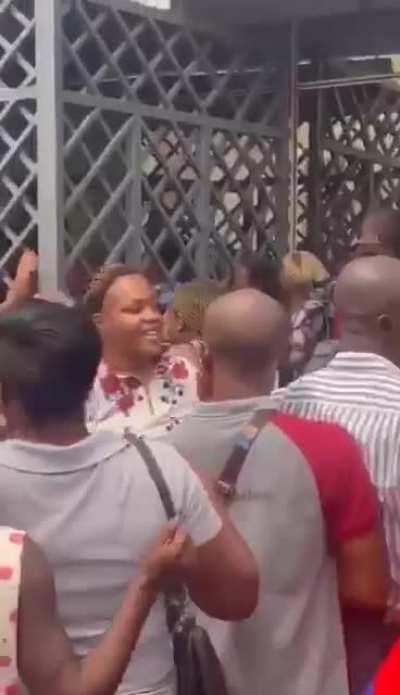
(360, 392)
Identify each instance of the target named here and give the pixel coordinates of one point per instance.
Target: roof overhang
(250, 11)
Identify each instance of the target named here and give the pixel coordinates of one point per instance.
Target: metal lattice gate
(18, 129)
(349, 162)
(126, 135)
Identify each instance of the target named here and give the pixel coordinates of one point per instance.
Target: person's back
(294, 642)
(290, 505)
(34, 648)
(89, 499)
(94, 509)
(360, 388)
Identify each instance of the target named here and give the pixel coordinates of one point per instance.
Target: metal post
(282, 238)
(50, 144)
(134, 203)
(294, 123)
(314, 217)
(203, 205)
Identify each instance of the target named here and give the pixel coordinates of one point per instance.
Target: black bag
(198, 669)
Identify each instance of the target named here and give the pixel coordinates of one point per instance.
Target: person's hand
(166, 558)
(24, 285)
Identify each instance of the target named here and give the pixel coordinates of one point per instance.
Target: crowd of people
(270, 406)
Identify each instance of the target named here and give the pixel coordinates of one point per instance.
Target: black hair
(264, 273)
(49, 356)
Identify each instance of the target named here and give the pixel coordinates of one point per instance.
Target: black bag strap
(227, 483)
(155, 473)
(175, 600)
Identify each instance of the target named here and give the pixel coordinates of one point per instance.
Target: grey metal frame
(351, 162)
(145, 140)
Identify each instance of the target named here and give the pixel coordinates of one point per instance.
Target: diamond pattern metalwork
(171, 228)
(124, 55)
(18, 174)
(171, 144)
(18, 148)
(359, 156)
(17, 43)
(243, 180)
(98, 176)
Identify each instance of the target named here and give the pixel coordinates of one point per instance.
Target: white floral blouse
(120, 401)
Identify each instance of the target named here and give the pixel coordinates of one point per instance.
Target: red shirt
(348, 499)
(387, 681)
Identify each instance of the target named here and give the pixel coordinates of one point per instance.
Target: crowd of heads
(126, 343)
(49, 349)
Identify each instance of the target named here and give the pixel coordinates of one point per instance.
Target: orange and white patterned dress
(11, 546)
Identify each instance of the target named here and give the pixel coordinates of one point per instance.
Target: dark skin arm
(223, 579)
(363, 572)
(46, 661)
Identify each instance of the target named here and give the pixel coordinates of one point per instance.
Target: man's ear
(385, 323)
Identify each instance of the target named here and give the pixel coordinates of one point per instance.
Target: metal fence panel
(125, 134)
(172, 143)
(351, 164)
(18, 147)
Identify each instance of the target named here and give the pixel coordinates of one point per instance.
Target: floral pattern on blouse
(121, 401)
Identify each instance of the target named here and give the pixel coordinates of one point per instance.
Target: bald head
(367, 297)
(368, 285)
(247, 329)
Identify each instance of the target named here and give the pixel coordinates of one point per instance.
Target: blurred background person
(380, 234)
(303, 281)
(184, 318)
(258, 271)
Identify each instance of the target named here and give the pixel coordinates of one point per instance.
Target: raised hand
(24, 285)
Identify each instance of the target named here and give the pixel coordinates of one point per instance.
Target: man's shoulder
(318, 438)
(304, 385)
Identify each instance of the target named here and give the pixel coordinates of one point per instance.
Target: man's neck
(359, 343)
(227, 388)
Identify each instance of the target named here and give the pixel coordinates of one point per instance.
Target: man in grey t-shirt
(291, 506)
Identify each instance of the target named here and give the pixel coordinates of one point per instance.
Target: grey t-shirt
(293, 645)
(95, 510)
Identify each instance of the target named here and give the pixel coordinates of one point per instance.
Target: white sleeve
(194, 509)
